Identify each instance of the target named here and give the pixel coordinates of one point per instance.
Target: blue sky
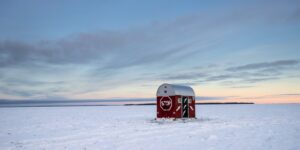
(234, 50)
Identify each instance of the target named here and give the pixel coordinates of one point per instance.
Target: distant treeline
(214, 103)
(206, 103)
(72, 103)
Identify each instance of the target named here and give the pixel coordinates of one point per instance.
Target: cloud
(265, 65)
(184, 76)
(15, 92)
(142, 45)
(29, 89)
(290, 94)
(285, 95)
(255, 80)
(105, 50)
(17, 82)
(211, 97)
(244, 76)
(241, 87)
(101, 60)
(219, 77)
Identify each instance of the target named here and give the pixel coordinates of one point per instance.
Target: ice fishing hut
(175, 101)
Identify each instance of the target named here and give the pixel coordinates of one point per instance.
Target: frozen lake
(246, 127)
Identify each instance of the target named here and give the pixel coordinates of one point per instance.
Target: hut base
(165, 120)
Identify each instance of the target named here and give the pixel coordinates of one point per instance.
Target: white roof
(171, 90)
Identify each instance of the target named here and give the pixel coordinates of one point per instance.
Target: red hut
(175, 101)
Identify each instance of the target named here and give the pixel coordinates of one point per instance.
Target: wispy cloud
(212, 97)
(243, 76)
(144, 45)
(219, 77)
(184, 76)
(290, 94)
(241, 87)
(265, 65)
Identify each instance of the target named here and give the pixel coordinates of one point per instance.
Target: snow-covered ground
(229, 127)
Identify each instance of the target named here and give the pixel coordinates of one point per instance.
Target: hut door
(185, 107)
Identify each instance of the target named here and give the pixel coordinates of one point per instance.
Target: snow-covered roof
(171, 89)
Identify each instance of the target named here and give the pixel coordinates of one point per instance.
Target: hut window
(165, 91)
(190, 100)
(165, 86)
(179, 100)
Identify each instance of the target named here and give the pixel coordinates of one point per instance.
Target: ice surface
(234, 127)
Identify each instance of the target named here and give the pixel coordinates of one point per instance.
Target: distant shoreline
(83, 105)
(206, 103)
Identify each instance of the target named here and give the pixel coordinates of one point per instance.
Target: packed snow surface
(232, 127)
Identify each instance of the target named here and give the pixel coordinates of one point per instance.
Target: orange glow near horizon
(282, 91)
(260, 100)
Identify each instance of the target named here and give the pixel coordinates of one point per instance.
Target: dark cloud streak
(237, 77)
(265, 65)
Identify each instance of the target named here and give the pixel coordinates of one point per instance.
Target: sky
(225, 50)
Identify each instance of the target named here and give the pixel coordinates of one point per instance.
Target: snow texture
(218, 127)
